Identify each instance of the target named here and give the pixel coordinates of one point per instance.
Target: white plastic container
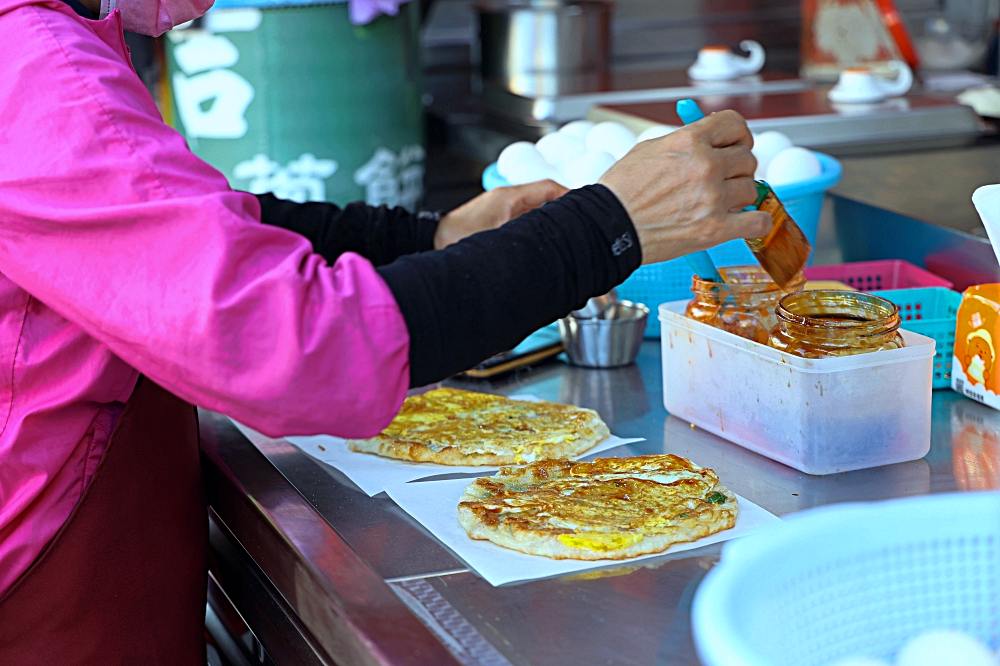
(853, 580)
(820, 416)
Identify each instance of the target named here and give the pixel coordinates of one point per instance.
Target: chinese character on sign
(211, 99)
(303, 179)
(393, 180)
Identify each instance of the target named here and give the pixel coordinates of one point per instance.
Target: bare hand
(492, 209)
(685, 191)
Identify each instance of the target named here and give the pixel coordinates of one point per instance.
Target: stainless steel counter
(321, 573)
(934, 186)
(352, 574)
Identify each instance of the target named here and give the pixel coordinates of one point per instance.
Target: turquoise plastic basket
(930, 311)
(671, 280)
(853, 579)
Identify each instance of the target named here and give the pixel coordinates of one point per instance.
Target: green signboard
(297, 101)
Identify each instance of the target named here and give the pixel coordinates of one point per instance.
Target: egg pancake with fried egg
(455, 427)
(606, 509)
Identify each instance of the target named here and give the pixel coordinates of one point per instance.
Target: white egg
(793, 165)
(557, 147)
(860, 661)
(529, 173)
(943, 647)
(577, 128)
(518, 156)
(765, 146)
(586, 169)
(610, 137)
(654, 132)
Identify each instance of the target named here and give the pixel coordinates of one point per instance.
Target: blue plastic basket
(930, 311)
(671, 280)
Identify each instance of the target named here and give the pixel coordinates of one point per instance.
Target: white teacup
(718, 63)
(858, 85)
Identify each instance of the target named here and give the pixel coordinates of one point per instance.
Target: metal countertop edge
(354, 615)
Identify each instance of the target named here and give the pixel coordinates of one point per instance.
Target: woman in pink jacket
(134, 282)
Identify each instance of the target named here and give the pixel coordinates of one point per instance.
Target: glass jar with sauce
(822, 323)
(743, 304)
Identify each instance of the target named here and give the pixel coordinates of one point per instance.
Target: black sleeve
(487, 292)
(380, 234)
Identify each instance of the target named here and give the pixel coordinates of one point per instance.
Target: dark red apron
(123, 582)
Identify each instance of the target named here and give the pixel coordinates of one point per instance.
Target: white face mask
(155, 17)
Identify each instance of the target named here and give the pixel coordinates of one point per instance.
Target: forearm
(379, 234)
(487, 292)
(227, 314)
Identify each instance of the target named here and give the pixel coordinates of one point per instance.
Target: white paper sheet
(434, 504)
(373, 474)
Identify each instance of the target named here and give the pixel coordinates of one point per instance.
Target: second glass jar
(744, 304)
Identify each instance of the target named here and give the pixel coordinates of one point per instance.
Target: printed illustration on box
(975, 362)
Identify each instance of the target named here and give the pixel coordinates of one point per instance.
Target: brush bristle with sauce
(783, 252)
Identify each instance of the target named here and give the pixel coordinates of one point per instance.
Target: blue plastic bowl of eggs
(580, 152)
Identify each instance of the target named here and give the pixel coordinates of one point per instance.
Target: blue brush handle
(689, 111)
(700, 262)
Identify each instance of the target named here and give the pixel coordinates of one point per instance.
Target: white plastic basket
(820, 416)
(853, 579)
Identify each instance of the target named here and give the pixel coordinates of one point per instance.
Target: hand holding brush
(686, 191)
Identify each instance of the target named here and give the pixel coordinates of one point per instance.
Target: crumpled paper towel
(985, 100)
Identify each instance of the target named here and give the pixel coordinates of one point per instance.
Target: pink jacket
(122, 253)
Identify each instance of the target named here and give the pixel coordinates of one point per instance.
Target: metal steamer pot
(524, 44)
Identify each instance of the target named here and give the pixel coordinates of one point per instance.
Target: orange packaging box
(975, 366)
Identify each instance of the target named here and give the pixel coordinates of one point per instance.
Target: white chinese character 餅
(393, 179)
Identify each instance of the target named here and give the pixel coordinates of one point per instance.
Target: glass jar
(743, 304)
(821, 323)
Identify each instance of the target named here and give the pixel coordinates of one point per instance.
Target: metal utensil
(596, 307)
(547, 40)
(607, 342)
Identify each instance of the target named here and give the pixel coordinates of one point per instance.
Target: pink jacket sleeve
(107, 217)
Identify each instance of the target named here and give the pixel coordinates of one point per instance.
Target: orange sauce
(743, 305)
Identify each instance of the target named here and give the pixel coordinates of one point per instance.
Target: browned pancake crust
(455, 427)
(605, 509)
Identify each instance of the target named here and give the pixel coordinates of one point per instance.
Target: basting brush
(700, 262)
(783, 252)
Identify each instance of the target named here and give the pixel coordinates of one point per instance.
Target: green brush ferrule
(763, 191)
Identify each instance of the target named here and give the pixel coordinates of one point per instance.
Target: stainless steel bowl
(607, 342)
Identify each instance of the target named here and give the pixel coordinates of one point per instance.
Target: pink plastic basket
(877, 275)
